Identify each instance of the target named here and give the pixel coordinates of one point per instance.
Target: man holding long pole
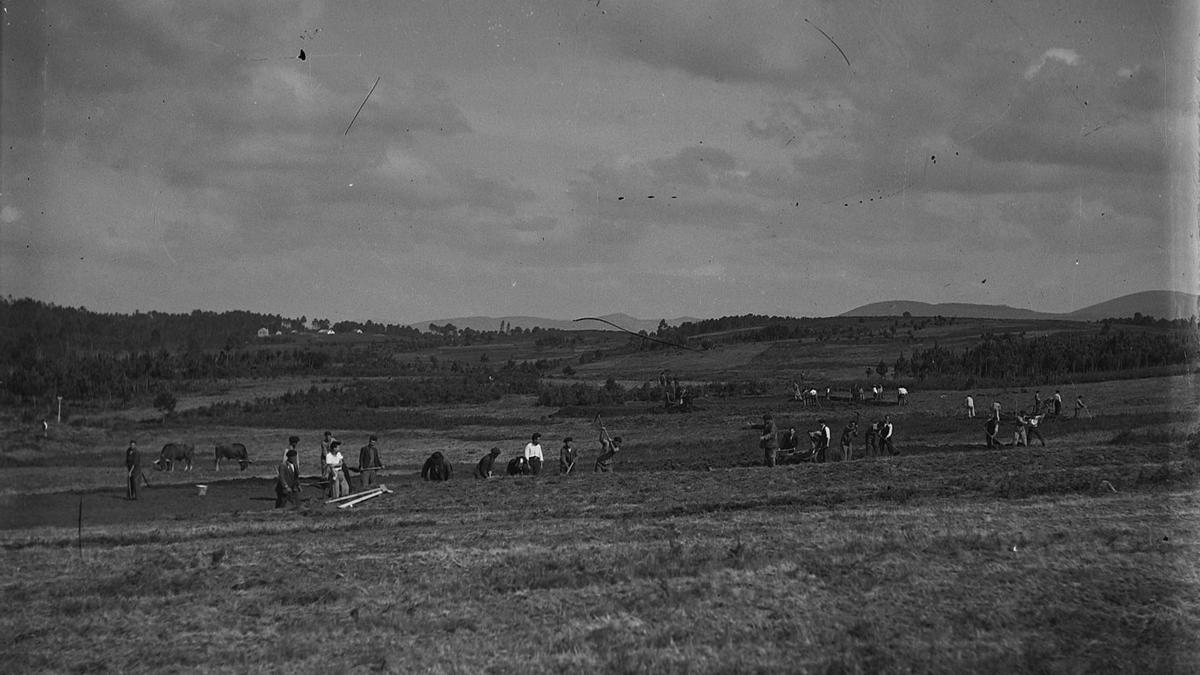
(609, 446)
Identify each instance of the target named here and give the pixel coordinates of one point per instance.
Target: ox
(232, 451)
(174, 452)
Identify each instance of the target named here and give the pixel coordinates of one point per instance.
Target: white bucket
(201, 490)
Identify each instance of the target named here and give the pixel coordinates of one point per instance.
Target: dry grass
(1079, 557)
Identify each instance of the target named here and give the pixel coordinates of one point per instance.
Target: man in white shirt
(821, 452)
(970, 406)
(335, 465)
(885, 436)
(533, 454)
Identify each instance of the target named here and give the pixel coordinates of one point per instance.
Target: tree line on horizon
(48, 351)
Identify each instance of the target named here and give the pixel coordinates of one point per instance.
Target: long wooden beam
(362, 498)
(381, 488)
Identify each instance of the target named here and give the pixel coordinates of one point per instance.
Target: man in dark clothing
(368, 462)
(822, 437)
(847, 441)
(133, 467)
(484, 468)
(769, 440)
(992, 429)
(518, 466)
(609, 447)
(567, 456)
(287, 482)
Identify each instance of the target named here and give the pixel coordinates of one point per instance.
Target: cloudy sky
(560, 158)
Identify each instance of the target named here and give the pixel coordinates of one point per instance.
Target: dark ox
(172, 453)
(436, 468)
(233, 451)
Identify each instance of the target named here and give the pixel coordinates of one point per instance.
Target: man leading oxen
(172, 453)
(233, 451)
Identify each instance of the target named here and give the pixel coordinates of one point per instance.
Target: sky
(402, 161)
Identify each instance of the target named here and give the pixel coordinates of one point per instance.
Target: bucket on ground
(201, 490)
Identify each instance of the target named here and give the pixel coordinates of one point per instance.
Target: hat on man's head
(373, 438)
(568, 439)
(293, 439)
(495, 450)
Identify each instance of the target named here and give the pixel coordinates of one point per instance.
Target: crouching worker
(484, 468)
(518, 466)
(287, 484)
(436, 468)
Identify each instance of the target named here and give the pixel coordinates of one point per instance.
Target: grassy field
(1077, 557)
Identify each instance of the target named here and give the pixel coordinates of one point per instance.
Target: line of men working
(811, 397)
(334, 469)
(877, 439)
(531, 461)
(1050, 407)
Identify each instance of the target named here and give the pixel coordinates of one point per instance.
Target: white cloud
(1067, 56)
(10, 214)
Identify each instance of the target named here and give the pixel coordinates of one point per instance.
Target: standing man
(1019, 437)
(1031, 429)
(848, 433)
(970, 406)
(335, 467)
(769, 440)
(1081, 407)
(1037, 402)
(567, 456)
(901, 396)
(996, 410)
(133, 469)
(1057, 403)
(292, 441)
(326, 444)
(368, 462)
(533, 454)
(287, 483)
(871, 440)
(821, 452)
(885, 436)
(609, 447)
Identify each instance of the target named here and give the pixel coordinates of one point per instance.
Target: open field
(1076, 557)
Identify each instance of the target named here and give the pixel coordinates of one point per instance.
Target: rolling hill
(1158, 304)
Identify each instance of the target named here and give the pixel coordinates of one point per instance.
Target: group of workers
(334, 469)
(532, 460)
(810, 396)
(877, 440)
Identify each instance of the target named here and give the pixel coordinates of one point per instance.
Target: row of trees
(1008, 357)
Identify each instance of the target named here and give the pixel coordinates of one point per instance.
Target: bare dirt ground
(1076, 557)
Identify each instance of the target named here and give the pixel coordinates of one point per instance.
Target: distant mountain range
(1158, 304)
